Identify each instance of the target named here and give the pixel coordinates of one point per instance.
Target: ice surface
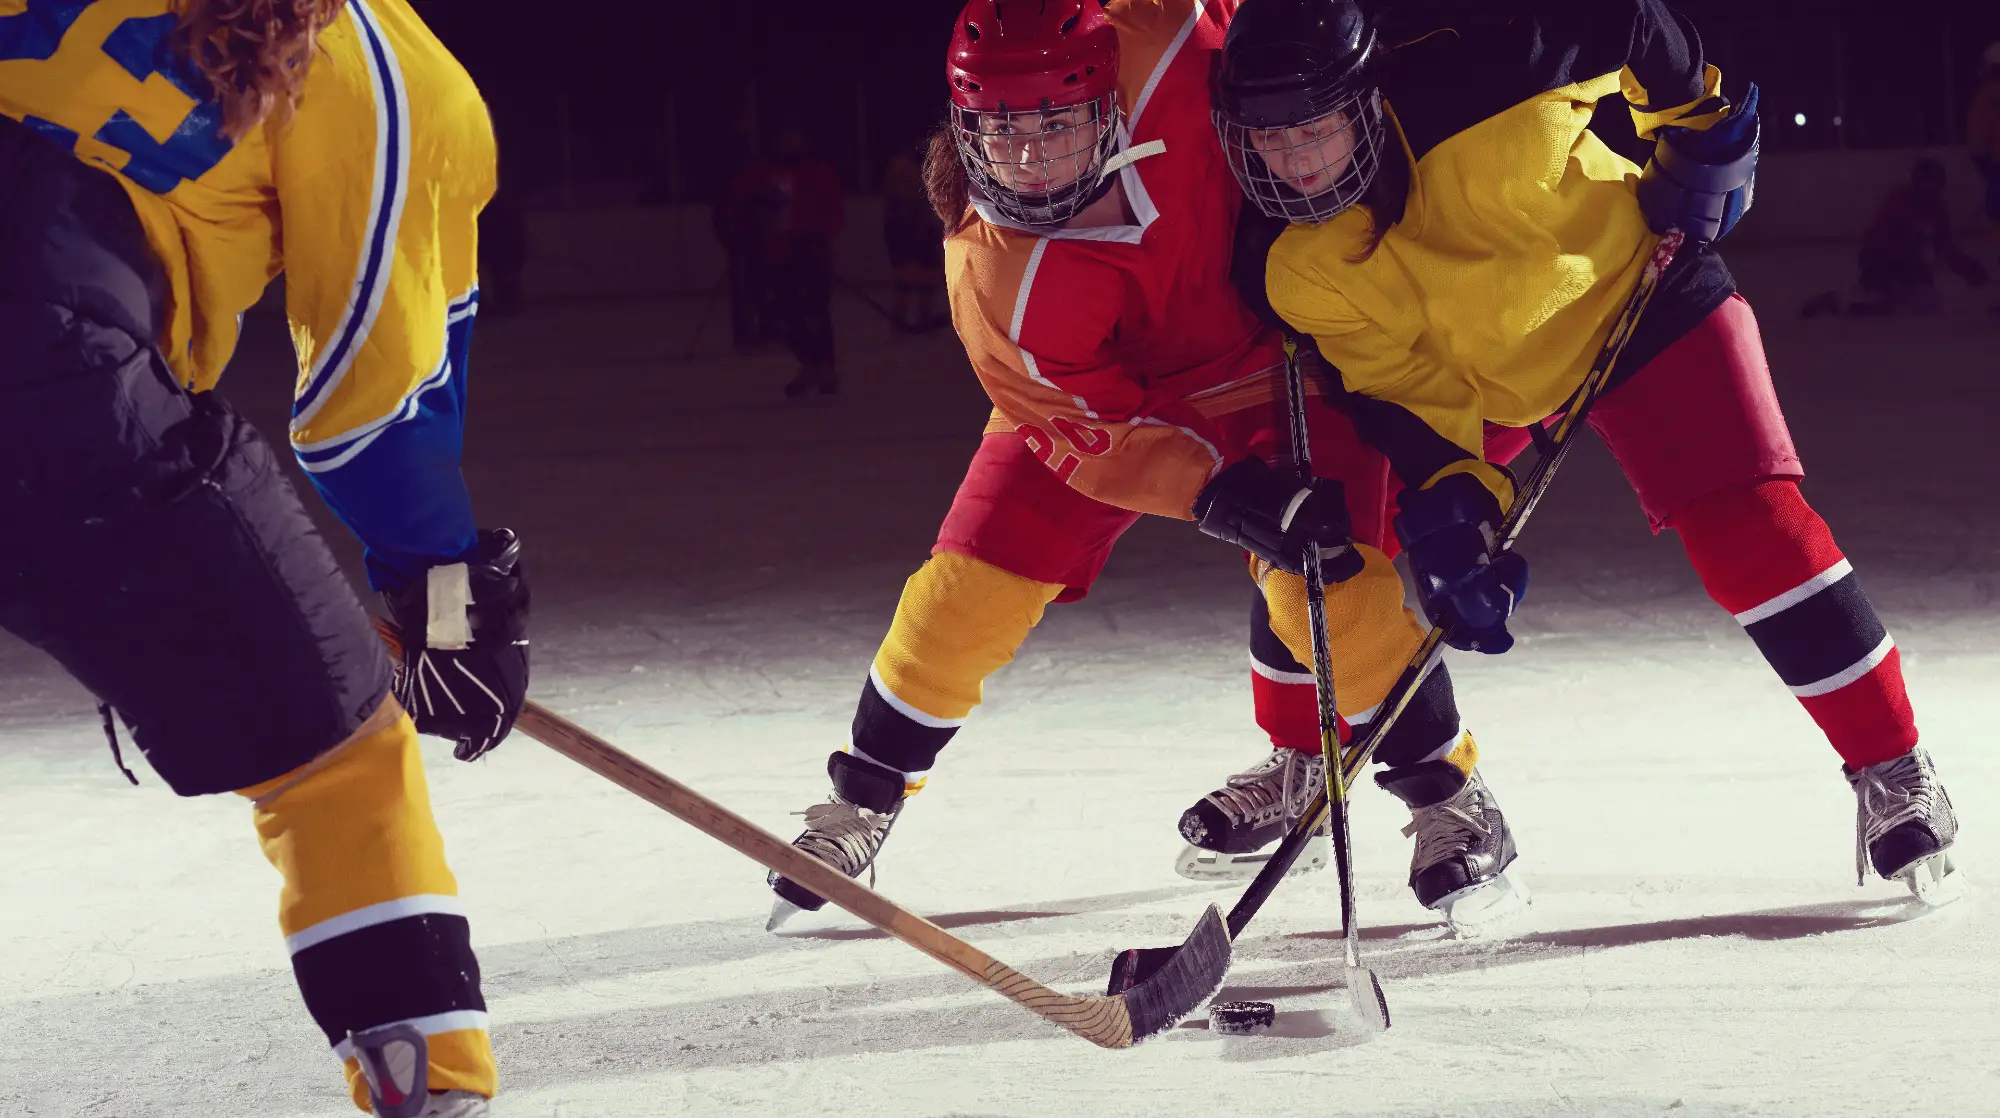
(712, 570)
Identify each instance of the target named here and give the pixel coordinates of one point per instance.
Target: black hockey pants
(148, 540)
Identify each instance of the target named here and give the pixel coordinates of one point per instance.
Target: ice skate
(1228, 831)
(1461, 866)
(395, 1060)
(847, 832)
(1904, 825)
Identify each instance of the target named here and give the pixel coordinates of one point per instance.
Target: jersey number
(142, 46)
(1085, 439)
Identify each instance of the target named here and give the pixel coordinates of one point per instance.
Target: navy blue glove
(1702, 183)
(1273, 517)
(1448, 532)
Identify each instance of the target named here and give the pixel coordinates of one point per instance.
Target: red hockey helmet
(1034, 103)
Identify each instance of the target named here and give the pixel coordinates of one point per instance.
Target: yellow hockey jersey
(367, 200)
(1522, 235)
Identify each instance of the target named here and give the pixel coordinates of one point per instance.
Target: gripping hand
(1702, 182)
(1448, 532)
(1275, 518)
(464, 672)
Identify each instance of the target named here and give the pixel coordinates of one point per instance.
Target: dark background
(668, 97)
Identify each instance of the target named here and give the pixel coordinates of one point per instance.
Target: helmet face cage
(1311, 170)
(1039, 166)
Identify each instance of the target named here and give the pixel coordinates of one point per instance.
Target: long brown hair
(945, 180)
(254, 53)
(1388, 193)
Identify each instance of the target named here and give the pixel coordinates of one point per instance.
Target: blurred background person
(790, 210)
(1982, 139)
(1912, 225)
(915, 239)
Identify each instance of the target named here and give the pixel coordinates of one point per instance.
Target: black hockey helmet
(1297, 107)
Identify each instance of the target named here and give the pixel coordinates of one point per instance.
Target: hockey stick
(1111, 1021)
(1134, 965)
(1363, 987)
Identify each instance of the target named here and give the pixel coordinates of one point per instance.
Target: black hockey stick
(1135, 964)
(1370, 1004)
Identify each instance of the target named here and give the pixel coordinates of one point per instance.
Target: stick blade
(1190, 975)
(1136, 965)
(1371, 1005)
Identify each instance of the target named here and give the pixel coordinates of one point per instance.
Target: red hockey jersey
(1110, 349)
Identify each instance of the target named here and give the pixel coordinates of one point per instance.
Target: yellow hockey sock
(369, 909)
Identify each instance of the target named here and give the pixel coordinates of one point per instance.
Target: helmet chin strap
(1132, 155)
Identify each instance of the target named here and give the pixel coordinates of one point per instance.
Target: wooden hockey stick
(1135, 964)
(1112, 1021)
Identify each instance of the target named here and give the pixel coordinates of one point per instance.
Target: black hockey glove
(464, 627)
(1702, 183)
(1273, 517)
(1448, 532)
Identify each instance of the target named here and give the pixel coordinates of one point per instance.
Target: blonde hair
(254, 53)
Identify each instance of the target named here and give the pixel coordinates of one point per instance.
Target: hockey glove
(1273, 517)
(1702, 182)
(464, 626)
(1448, 531)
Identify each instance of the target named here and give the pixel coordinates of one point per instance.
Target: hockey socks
(1765, 556)
(960, 620)
(1374, 639)
(369, 909)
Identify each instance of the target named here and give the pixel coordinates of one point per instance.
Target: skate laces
(1283, 783)
(845, 836)
(1447, 828)
(1888, 795)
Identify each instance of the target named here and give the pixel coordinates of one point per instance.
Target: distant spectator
(792, 204)
(915, 239)
(1912, 225)
(743, 217)
(1982, 138)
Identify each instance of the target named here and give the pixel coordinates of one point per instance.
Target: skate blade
(1935, 881)
(782, 910)
(1492, 907)
(1197, 864)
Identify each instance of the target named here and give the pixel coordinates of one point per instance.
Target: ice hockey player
(1089, 265)
(1460, 245)
(1982, 140)
(160, 162)
(1911, 228)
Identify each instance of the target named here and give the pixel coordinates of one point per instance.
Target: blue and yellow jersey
(367, 200)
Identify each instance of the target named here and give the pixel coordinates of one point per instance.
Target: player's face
(1041, 152)
(1308, 157)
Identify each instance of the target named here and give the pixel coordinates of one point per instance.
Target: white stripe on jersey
(385, 216)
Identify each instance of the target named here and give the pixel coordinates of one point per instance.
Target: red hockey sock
(1765, 556)
(1287, 706)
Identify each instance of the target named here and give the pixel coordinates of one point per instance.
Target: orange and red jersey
(1113, 349)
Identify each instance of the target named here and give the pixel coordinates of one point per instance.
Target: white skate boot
(1904, 825)
(847, 832)
(1461, 866)
(396, 1062)
(1229, 828)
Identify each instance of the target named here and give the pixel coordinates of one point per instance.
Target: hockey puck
(1241, 1018)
